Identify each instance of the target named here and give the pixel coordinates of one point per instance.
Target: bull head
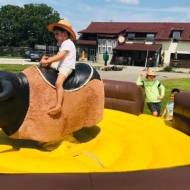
(14, 100)
(6, 90)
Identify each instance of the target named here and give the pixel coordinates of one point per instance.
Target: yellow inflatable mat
(120, 142)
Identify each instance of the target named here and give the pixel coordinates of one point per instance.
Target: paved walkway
(130, 73)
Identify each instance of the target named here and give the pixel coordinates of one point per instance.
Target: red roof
(138, 47)
(162, 30)
(105, 28)
(86, 42)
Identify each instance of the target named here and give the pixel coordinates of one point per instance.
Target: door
(92, 55)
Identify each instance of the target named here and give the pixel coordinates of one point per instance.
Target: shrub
(168, 68)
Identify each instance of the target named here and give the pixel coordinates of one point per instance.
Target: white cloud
(129, 1)
(178, 9)
(87, 8)
(188, 16)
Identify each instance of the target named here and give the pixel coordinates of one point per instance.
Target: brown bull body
(81, 108)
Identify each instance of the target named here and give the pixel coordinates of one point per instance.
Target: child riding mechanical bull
(31, 101)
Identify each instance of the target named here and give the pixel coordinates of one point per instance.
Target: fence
(19, 51)
(16, 61)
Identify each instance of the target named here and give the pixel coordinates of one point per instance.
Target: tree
(8, 27)
(26, 26)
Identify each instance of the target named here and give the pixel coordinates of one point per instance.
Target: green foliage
(26, 26)
(168, 69)
(2, 53)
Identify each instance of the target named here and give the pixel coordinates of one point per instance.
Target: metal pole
(146, 61)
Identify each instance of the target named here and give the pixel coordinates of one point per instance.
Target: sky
(80, 13)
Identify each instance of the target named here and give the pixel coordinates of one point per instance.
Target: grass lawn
(182, 84)
(13, 67)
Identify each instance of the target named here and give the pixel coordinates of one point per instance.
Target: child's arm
(162, 93)
(59, 56)
(139, 79)
(164, 113)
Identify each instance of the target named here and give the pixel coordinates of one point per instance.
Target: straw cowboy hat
(150, 72)
(65, 25)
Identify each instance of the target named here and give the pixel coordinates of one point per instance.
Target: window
(140, 35)
(130, 36)
(106, 45)
(101, 45)
(109, 46)
(176, 36)
(113, 43)
(150, 37)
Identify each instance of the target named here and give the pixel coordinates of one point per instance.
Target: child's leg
(157, 109)
(54, 65)
(155, 113)
(152, 108)
(60, 94)
(63, 74)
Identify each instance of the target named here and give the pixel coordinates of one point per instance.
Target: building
(133, 43)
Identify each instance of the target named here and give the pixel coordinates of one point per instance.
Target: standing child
(151, 86)
(168, 111)
(64, 61)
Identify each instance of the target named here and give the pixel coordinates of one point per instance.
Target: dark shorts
(154, 107)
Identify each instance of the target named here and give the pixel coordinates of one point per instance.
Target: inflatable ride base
(121, 142)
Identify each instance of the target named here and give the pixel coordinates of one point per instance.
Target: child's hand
(44, 57)
(160, 97)
(43, 61)
(143, 74)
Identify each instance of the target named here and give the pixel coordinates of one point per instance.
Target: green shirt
(151, 89)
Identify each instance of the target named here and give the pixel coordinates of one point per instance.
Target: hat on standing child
(150, 72)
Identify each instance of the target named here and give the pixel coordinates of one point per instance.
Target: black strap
(143, 83)
(159, 84)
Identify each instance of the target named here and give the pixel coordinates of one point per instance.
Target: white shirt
(169, 107)
(70, 59)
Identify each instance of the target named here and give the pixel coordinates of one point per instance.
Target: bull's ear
(7, 90)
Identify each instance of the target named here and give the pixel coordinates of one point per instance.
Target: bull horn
(7, 90)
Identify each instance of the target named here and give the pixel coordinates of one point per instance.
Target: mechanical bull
(26, 97)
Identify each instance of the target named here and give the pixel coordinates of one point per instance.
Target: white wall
(169, 47)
